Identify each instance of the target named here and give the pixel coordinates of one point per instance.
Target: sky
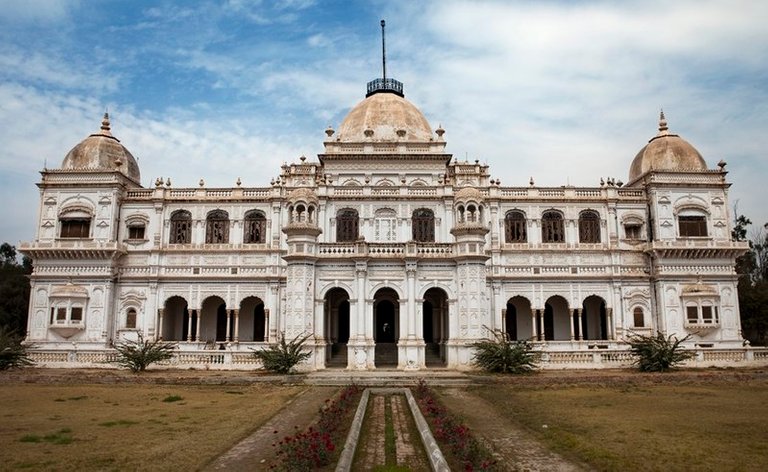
(564, 92)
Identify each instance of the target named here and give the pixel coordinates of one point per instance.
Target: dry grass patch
(129, 427)
(715, 425)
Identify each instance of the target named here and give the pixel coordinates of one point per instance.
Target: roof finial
(383, 52)
(662, 123)
(105, 122)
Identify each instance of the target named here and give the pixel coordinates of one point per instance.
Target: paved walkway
(513, 447)
(256, 451)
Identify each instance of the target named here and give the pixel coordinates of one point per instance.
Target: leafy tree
(504, 356)
(282, 357)
(14, 290)
(658, 353)
(13, 353)
(752, 268)
(140, 354)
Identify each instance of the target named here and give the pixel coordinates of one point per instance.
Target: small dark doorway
(221, 323)
(549, 323)
(259, 322)
(344, 322)
(429, 326)
(385, 322)
(510, 322)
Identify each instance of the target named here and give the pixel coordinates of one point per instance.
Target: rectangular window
(693, 314)
(632, 231)
(77, 314)
(75, 228)
(130, 319)
(61, 314)
(706, 315)
(692, 226)
(135, 232)
(639, 319)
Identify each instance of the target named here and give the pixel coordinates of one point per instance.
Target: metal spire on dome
(384, 84)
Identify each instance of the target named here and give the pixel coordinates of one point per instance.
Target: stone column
(504, 321)
(267, 334)
(191, 317)
(609, 324)
(199, 319)
(534, 322)
(542, 334)
(573, 321)
(237, 325)
(160, 323)
(227, 337)
(580, 313)
(411, 306)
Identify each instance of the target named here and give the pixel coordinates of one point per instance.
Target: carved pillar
(411, 307)
(237, 325)
(580, 314)
(267, 334)
(504, 322)
(534, 322)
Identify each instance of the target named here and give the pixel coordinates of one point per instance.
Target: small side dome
(666, 151)
(302, 195)
(384, 117)
(102, 151)
(469, 194)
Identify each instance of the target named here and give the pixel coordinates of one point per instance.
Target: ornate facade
(386, 250)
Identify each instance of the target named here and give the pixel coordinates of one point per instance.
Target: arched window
(255, 227)
(552, 227)
(638, 317)
(514, 227)
(217, 227)
(423, 225)
(181, 227)
(130, 319)
(347, 223)
(589, 227)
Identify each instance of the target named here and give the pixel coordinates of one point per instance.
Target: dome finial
(105, 126)
(662, 123)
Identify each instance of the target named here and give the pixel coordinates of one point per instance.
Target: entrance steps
(383, 377)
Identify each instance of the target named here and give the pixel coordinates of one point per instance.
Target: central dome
(384, 117)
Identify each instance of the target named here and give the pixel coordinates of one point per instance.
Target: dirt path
(513, 447)
(256, 451)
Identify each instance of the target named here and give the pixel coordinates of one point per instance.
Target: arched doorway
(518, 319)
(557, 319)
(435, 317)
(337, 326)
(215, 322)
(176, 320)
(594, 322)
(386, 311)
(252, 321)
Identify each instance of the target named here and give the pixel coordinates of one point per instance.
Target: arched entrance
(252, 321)
(518, 319)
(594, 323)
(215, 321)
(386, 314)
(435, 317)
(176, 320)
(337, 327)
(557, 319)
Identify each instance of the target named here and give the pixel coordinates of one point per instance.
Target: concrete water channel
(384, 433)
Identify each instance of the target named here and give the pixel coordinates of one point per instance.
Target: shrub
(504, 356)
(283, 356)
(658, 353)
(140, 354)
(13, 352)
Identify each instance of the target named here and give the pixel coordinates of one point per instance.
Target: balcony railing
(385, 85)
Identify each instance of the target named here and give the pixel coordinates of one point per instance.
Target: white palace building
(388, 251)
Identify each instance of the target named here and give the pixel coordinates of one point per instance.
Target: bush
(658, 353)
(504, 356)
(13, 353)
(283, 356)
(140, 354)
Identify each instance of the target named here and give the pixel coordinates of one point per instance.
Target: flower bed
(454, 437)
(316, 446)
